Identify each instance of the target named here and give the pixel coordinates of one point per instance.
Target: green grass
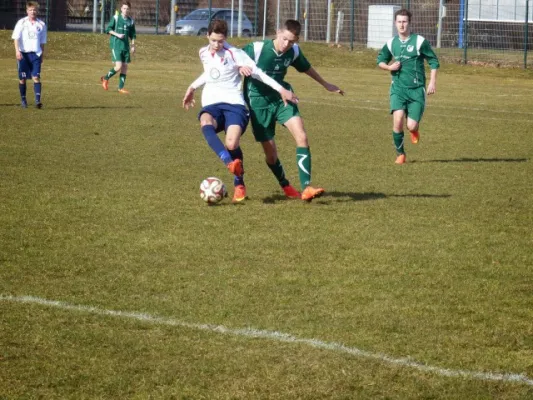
(430, 261)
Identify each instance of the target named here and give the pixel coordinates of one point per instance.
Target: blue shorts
(226, 115)
(29, 66)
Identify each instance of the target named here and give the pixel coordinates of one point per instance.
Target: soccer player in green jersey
(122, 29)
(407, 92)
(274, 57)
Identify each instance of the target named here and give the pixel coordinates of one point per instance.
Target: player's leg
(210, 120)
(415, 110)
(236, 120)
(117, 61)
(398, 117)
(398, 105)
(303, 158)
(23, 72)
(233, 134)
(264, 129)
(35, 63)
(123, 72)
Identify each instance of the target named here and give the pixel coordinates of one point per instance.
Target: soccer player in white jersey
(223, 106)
(29, 36)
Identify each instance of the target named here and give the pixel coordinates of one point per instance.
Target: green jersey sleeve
(111, 25)
(300, 62)
(384, 55)
(132, 31)
(249, 50)
(428, 53)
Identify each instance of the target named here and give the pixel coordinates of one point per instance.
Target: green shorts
(264, 119)
(122, 56)
(413, 101)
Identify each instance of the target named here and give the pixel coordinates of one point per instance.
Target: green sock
(110, 74)
(303, 159)
(121, 81)
(398, 142)
(279, 172)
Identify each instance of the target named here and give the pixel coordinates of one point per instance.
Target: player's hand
(132, 48)
(431, 88)
(18, 55)
(287, 95)
(245, 71)
(332, 88)
(188, 99)
(395, 66)
(120, 35)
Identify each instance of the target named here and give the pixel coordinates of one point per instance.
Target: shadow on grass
(473, 160)
(353, 196)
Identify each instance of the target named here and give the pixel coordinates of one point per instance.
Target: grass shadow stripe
(279, 337)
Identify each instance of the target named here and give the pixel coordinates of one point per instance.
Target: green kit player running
(274, 57)
(122, 29)
(407, 91)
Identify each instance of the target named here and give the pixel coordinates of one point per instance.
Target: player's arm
(16, 36)
(133, 36)
(188, 100)
(243, 60)
(313, 73)
(111, 29)
(385, 57)
(433, 62)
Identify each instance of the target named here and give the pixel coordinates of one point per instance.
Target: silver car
(196, 22)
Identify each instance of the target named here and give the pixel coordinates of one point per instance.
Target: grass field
(401, 282)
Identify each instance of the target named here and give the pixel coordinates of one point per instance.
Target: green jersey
(411, 53)
(119, 25)
(274, 65)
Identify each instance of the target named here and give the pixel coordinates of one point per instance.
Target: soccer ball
(212, 190)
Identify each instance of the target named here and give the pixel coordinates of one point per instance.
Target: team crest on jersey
(410, 48)
(214, 73)
(287, 62)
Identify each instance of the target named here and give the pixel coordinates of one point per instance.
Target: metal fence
(483, 31)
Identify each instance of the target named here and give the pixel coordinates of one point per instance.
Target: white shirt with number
(30, 35)
(221, 75)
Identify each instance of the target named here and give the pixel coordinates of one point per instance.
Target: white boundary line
(278, 337)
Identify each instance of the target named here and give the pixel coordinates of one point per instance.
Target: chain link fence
(463, 31)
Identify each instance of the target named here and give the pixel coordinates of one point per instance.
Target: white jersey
(221, 75)
(30, 35)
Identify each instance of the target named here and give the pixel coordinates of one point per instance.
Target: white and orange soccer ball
(212, 190)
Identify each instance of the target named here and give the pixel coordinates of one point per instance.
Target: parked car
(196, 22)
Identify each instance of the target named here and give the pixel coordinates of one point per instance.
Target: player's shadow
(473, 160)
(123, 107)
(354, 196)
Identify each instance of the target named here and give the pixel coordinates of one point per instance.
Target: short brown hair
(32, 4)
(403, 12)
(218, 26)
(293, 26)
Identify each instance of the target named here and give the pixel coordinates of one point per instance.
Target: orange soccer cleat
(123, 91)
(240, 194)
(290, 192)
(310, 193)
(415, 137)
(400, 159)
(236, 168)
(105, 83)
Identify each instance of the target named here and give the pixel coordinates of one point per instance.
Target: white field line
(279, 337)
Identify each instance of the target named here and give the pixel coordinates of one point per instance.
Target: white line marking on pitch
(279, 337)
